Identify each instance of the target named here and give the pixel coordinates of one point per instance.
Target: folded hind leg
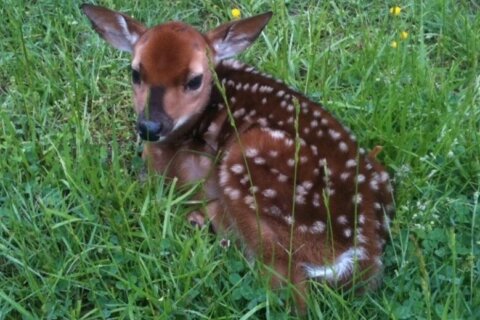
(257, 185)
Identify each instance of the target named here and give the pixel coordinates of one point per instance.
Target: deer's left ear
(116, 28)
(232, 38)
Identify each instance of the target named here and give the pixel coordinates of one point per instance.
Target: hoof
(196, 219)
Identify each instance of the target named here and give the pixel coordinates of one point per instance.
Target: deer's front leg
(190, 164)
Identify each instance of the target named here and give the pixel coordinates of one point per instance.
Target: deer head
(172, 66)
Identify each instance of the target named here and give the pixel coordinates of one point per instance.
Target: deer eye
(136, 79)
(194, 83)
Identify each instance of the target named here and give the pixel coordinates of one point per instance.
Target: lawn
(85, 235)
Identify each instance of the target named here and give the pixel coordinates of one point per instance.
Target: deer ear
(116, 28)
(232, 38)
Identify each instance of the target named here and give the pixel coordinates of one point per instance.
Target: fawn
(278, 169)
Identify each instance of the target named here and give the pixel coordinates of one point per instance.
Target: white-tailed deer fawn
(279, 170)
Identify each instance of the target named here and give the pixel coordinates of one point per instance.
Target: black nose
(149, 130)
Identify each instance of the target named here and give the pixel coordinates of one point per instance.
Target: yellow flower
(236, 13)
(403, 35)
(395, 11)
(394, 44)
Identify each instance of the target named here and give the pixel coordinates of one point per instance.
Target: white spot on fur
(334, 134)
(351, 163)
(374, 184)
(251, 152)
(288, 219)
(249, 200)
(342, 219)
(361, 219)
(317, 227)
(347, 232)
(259, 160)
(288, 142)
(360, 237)
(237, 168)
(277, 134)
(302, 228)
(264, 100)
(244, 179)
(344, 175)
(360, 178)
(262, 122)
(269, 193)
(357, 199)
(282, 178)
(300, 199)
(316, 200)
(275, 211)
(224, 177)
(307, 184)
(266, 89)
(238, 113)
(383, 176)
(273, 153)
(280, 93)
(343, 146)
(322, 162)
(233, 194)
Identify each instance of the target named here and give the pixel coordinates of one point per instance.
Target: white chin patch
(180, 122)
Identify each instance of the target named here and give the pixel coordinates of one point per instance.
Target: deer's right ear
(232, 38)
(116, 28)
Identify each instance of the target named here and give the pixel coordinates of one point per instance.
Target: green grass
(82, 237)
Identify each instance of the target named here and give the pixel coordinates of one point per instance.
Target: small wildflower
(225, 243)
(236, 13)
(395, 11)
(394, 44)
(404, 35)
